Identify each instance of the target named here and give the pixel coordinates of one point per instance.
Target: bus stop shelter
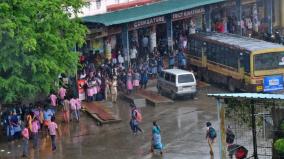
(253, 98)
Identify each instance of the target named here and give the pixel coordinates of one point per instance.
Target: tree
(36, 45)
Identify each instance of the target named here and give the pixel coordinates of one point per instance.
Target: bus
(240, 63)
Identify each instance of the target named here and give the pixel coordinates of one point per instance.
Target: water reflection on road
(182, 128)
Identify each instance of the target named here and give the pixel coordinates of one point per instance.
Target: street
(182, 128)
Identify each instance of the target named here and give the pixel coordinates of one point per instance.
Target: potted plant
(279, 147)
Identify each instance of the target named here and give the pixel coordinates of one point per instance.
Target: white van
(176, 82)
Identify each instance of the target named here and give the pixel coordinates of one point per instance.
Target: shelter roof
(249, 96)
(146, 11)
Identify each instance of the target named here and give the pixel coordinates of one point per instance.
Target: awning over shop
(146, 11)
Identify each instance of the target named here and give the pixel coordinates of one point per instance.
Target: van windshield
(185, 78)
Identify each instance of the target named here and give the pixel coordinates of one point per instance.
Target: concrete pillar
(282, 13)
(208, 18)
(169, 24)
(125, 44)
(277, 13)
(153, 38)
(239, 15)
(269, 14)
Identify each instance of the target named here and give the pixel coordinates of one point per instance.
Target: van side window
(167, 77)
(173, 78)
(161, 74)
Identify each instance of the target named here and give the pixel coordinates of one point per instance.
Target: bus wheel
(231, 86)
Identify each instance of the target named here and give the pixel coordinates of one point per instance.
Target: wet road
(182, 125)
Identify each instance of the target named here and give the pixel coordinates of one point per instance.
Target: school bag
(230, 137)
(212, 133)
(138, 116)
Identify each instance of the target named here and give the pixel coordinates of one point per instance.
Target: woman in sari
(156, 138)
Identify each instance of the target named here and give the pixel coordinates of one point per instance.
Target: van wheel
(231, 86)
(173, 96)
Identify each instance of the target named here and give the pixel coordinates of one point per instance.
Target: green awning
(146, 11)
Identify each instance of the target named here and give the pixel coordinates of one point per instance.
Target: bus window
(269, 61)
(246, 62)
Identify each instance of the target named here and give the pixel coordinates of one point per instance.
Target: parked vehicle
(239, 62)
(177, 82)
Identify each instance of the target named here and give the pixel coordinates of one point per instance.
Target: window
(246, 62)
(173, 78)
(269, 61)
(98, 4)
(167, 77)
(161, 74)
(185, 78)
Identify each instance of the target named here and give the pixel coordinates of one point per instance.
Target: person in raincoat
(156, 138)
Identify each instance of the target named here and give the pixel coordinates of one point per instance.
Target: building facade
(166, 24)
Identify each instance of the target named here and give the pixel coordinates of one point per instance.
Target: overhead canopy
(249, 96)
(146, 11)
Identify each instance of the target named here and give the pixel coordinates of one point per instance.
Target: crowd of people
(37, 120)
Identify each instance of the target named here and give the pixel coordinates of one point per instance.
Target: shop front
(187, 22)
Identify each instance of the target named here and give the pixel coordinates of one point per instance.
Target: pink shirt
(73, 103)
(53, 99)
(78, 103)
(62, 92)
(25, 133)
(34, 127)
(52, 126)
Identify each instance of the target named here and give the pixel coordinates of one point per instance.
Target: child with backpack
(211, 135)
(136, 118)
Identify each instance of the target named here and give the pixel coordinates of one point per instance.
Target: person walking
(62, 94)
(156, 138)
(53, 128)
(136, 80)
(114, 89)
(34, 132)
(136, 118)
(25, 135)
(144, 79)
(73, 107)
(211, 136)
(66, 110)
(129, 81)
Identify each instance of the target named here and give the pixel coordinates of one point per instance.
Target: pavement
(182, 128)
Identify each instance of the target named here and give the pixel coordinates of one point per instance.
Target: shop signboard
(273, 83)
(187, 13)
(146, 22)
(81, 91)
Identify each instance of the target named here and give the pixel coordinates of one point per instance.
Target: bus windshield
(269, 61)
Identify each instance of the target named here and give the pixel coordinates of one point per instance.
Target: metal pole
(222, 134)
(269, 15)
(253, 129)
(239, 15)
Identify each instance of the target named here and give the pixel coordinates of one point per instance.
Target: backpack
(230, 137)
(138, 116)
(212, 133)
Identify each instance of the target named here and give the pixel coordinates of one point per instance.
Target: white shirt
(120, 59)
(133, 53)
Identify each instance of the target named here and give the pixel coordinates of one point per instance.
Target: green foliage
(36, 42)
(279, 145)
(239, 111)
